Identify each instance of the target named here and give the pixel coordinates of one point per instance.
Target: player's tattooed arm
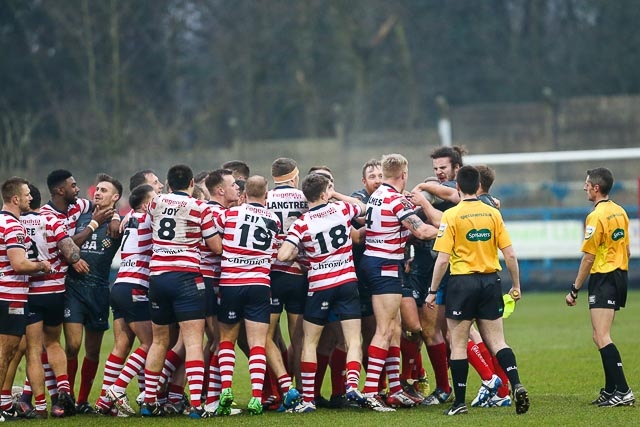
(69, 250)
(419, 229)
(414, 222)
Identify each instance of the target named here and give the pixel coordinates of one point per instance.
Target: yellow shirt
(606, 235)
(472, 233)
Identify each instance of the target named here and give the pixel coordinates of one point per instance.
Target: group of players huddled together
(210, 262)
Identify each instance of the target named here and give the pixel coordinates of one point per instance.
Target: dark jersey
(98, 251)
(443, 206)
(423, 257)
(358, 250)
(487, 200)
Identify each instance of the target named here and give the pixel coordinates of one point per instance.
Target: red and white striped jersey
(45, 231)
(325, 234)
(179, 223)
(285, 202)
(135, 250)
(386, 236)
(13, 286)
(248, 244)
(71, 216)
(210, 263)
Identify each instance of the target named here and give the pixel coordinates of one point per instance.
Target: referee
(606, 257)
(468, 240)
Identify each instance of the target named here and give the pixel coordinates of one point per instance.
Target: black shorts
(342, 301)
(13, 318)
(244, 302)
(474, 296)
(88, 305)
(131, 302)
(381, 275)
(46, 308)
(176, 297)
(211, 290)
(608, 290)
(416, 286)
(289, 292)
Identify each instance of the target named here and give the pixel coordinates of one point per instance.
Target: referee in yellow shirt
(468, 240)
(606, 258)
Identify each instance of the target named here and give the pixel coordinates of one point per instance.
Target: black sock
(507, 360)
(609, 383)
(459, 373)
(613, 364)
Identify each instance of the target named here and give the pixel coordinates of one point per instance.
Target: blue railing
(551, 273)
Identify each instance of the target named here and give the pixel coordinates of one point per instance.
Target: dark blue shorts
(131, 302)
(381, 275)
(342, 301)
(366, 306)
(46, 308)
(13, 318)
(88, 305)
(176, 297)
(244, 302)
(441, 296)
(211, 290)
(289, 292)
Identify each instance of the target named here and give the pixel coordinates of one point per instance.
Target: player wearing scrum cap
(288, 279)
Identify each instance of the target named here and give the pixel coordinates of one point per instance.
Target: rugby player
(176, 289)
(389, 219)
(324, 234)
(130, 306)
(249, 244)
(14, 268)
(86, 302)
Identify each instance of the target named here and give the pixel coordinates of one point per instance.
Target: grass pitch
(557, 359)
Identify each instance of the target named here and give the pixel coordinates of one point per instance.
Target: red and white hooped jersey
(386, 236)
(285, 202)
(71, 216)
(45, 231)
(249, 233)
(179, 223)
(210, 262)
(13, 286)
(135, 250)
(325, 234)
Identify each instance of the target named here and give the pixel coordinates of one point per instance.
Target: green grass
(557, 360)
